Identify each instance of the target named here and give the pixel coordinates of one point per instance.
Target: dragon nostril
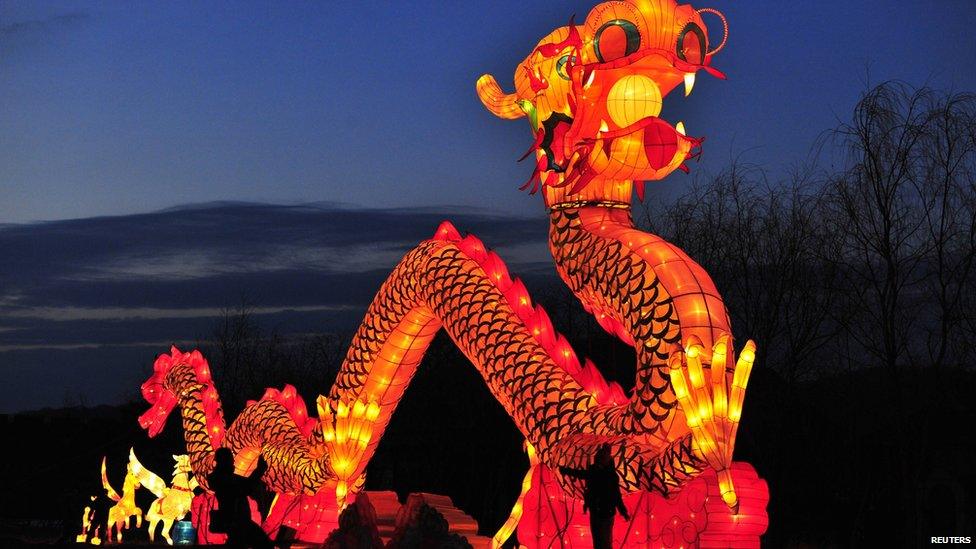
(633, 98)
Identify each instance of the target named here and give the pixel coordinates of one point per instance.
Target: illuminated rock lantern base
(311, 517)
(695, 518)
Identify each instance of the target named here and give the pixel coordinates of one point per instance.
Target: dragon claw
(711, 407)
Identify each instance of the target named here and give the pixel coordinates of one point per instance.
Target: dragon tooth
(689, 83)
(589, 80)
(603, 126)
(680, 128)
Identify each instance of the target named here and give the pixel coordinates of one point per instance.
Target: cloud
(158, 345)
(10, 30)
(209, 255)
(113, 288)
(62, 314)
(207, 241)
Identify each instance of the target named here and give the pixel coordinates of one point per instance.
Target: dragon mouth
(572, 162)
(660, 139)
(556, 127)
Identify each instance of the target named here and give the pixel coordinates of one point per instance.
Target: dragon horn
(501, 104)
(112, 494)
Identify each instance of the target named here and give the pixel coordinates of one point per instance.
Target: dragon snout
(154, 419)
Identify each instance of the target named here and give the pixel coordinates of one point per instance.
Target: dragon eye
(561, 68)
(691, 44)
(616, 39)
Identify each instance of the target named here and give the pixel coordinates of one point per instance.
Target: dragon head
(161, 397)
(593, 93)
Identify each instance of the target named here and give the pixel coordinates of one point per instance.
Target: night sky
(114, 117)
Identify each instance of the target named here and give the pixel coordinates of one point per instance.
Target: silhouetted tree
(905, 252)
(245, 361)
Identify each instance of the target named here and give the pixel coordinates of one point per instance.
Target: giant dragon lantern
(592, 94)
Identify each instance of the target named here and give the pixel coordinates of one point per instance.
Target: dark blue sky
(113, 108)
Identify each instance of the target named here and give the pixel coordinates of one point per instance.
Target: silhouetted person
(98, 516)
(601, 496)
(71, 524)
(233, 510)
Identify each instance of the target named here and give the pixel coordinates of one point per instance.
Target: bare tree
(905, 252)
(906, 206)
(878, 204)
(246, 360)
(948, 188)
(236, 342)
